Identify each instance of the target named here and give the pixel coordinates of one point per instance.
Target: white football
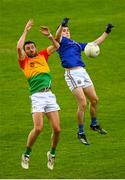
(92, 50)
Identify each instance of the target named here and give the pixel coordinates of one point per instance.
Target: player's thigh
(90, 93)
(79, 95)
(38, 119)
(54, 119)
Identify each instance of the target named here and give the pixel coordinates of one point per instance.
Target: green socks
(28, 151)
(52, 151)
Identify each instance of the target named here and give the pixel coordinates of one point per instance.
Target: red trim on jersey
(23, 62)
(44, 53)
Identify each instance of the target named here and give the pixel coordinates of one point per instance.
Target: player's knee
(82, 106)
(57, 130)
(38, 129)
(94, 101)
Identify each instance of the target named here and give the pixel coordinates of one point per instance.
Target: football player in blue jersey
(77, 78)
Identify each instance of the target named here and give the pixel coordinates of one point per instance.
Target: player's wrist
(25, 30)
(50, 35)
(108, 31)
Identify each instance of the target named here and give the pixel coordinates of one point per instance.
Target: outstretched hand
(65, 22)
(45, 30)
(109, 28)
(29, 25)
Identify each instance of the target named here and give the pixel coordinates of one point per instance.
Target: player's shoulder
(44, 52)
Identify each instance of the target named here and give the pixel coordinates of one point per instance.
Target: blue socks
(81, 126)
(81, 129)
(93, 121)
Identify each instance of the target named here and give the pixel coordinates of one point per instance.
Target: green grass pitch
(105, 157)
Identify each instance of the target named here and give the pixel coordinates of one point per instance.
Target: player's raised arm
(46, 32)
(21, 41)
(100, 39)
(64, 23)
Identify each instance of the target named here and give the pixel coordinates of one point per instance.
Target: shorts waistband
(45, 89)
(73, 68)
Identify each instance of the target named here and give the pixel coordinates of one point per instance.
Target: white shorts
(77, 78)
(44, 102)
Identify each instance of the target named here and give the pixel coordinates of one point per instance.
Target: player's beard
(31, 55)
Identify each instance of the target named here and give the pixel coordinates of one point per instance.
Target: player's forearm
(58, 33)
(101, 38)
(105, 34)
(54, 42)
(21, 41)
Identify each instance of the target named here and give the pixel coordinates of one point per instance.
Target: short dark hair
(28, 42)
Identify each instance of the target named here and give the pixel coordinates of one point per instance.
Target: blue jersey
(70, 53)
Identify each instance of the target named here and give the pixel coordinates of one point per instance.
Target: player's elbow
(19, 50)
(57, 46)
(18, 47)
